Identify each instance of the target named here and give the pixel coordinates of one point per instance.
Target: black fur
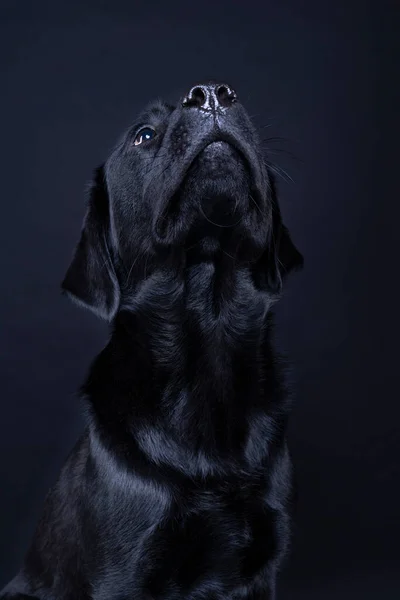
(180, 488)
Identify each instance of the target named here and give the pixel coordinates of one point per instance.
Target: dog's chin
(219, 203)
(205, 207)
(217, 185)
(213, 199)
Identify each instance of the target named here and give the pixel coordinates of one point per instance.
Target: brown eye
(144, 135)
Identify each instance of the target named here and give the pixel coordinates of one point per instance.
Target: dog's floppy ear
(91, 279)
(282, 256)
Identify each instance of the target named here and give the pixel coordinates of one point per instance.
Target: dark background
(323, 75)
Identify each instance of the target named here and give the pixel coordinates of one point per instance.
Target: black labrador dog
(181, 486)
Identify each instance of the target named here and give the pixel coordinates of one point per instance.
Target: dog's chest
(215, 542)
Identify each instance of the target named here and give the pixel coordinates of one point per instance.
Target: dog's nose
(210, 96)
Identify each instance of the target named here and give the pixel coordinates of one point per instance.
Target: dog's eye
(145, 135)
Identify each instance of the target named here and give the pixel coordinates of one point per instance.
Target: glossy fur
(180, 487)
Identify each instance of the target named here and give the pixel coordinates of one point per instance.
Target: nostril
(226, 95)
(196, 97)
(199, 96)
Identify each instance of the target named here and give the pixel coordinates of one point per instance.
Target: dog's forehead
(157, 109)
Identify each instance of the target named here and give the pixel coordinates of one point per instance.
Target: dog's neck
(190, 347)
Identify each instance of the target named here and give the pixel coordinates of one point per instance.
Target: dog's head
(187, 181)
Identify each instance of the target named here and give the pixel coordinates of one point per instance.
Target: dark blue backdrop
(323, 75)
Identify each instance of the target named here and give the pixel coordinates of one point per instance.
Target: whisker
(217, 224)
(227, 254)
(279, 171)
(287, 153)
(256, 204)
(130, 270)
